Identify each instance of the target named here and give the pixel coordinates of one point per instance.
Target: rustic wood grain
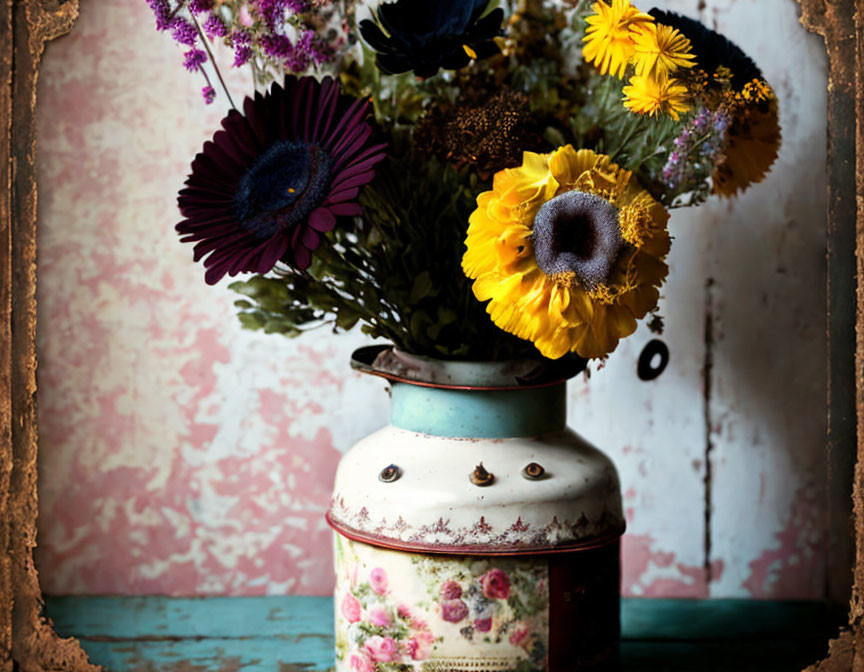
(27, 642)
(840, 24)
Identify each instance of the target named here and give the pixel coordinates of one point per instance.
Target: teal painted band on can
(481, 414)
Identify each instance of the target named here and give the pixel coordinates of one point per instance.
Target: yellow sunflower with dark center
(609, 37)
(568, 250)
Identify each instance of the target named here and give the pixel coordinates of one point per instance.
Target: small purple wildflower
(194, 59)
(183, 32)
(208, 94)
(297, 61)
(162, 12)
(198, 6)
(214, 27)
(242, 54)
(697, 151)
(277, 46)
(273, 12)
(311, 45)
(240, 38)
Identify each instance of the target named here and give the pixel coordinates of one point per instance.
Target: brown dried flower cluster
(490, 134)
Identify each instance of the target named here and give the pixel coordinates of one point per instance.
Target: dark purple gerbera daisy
(268, 185)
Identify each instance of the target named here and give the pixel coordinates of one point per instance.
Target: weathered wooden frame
(29, 643)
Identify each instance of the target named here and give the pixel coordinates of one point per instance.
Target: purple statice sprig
(181, 19)
(273, 37)
(695, 155)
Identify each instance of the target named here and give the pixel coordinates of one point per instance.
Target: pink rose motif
(362, 663)
(450, 590)
(453, 611)
(380, 616)
(403, 611)
(520, 637)
(482, 624)
(381, 649)
(378, 580)
(416, 649)
(424, 637)
(495, 584)
(351, 608)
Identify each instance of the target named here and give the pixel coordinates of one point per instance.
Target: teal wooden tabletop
(294, 634)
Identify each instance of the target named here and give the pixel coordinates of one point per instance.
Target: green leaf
(422, 288)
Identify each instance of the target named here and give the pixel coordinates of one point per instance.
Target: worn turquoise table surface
(294, 634)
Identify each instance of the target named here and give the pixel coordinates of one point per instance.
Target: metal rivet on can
(534, 472)
(482, 477)
(389, 474)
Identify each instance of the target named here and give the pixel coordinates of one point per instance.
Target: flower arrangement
(467, 179)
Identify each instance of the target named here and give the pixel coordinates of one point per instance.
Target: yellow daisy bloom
(660, 50)
(609, 37)
(649, 95)
(568, 250)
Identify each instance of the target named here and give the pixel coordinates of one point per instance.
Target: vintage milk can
(476, 531)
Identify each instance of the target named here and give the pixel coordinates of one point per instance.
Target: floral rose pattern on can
(399, 612)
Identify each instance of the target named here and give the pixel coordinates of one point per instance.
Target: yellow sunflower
(752, 140)
(569, 251)
(650, 95)
(609, 37)
(660, 50)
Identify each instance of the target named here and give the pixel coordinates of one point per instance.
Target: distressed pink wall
(182, 455)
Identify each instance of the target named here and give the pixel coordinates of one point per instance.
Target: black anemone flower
(425, 35)
(277, 177)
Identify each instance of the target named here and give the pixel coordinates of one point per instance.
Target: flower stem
(212, 60)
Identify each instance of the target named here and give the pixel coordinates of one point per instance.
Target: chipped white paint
(434, 504)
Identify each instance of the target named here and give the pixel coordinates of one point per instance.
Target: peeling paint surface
(181, 455)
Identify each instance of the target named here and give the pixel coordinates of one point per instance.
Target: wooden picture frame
(28, 641)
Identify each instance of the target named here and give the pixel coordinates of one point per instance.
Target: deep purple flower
(209, 94)
(242, 54)
(215, 27)
(277, 177)
(194, 59)
(198, 6)
(453, 611)
(183, 32)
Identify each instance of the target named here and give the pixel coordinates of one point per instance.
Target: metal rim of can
(554, 373)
